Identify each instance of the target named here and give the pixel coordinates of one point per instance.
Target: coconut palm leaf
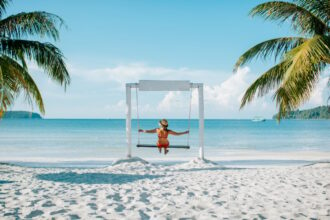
(8, 88)
(17, 80)
(46, 56)
(296, 90)
(25, 82)
(266, 82)
(3, 6)
(308, 61)
(32, 23)
(302, 59)
(307, 56)
(320, 8)
(274, 47)
(303, 20)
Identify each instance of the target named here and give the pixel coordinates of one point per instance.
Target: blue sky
(109, 43)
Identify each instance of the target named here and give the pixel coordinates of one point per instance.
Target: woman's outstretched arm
(177, 133)
(148, 131)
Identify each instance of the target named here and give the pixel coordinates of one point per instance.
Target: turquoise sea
(98, 142)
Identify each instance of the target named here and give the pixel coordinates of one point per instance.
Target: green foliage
(16, 48)
(302, 59)
(276, 47)
(301, 18)
(321, 112)
(21, 115)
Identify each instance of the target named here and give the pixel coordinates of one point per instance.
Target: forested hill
(321, 112)
(21, 115)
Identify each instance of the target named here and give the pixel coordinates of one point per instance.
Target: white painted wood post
(201, 120)
(128, 121)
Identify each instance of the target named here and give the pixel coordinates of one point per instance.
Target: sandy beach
(135, 189)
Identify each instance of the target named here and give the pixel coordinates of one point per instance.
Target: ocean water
(92, 141)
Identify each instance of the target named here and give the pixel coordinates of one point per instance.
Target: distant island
(321, 112)
(21, 115)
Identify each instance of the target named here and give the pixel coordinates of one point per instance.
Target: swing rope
(137, 113)
(189, 117)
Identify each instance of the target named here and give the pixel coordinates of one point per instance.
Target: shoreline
(229, 157)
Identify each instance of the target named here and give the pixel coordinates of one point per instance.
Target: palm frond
(8, 89)
(301, 19)
(33, 23)
(310, 53)
(320, 8)
(303, 60)
(276, 47)
(266, 82)
(296, 90)
(282, 101)
(14, 75)
(17, 79)
(3, 6)
(7, 98)
(47, 56)
(307, 63)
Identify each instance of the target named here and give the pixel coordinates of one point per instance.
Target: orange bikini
(162, 134)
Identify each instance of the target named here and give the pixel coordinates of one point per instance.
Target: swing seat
(171, 146)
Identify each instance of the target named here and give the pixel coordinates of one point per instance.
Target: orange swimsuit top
(162, 133)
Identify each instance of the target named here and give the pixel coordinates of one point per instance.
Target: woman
(163, 133)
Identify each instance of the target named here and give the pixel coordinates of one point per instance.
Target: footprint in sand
(115, 197)
(119, 208)
(191, 194)
(93, 191)
(144, 198)
(18, 193)
(48, 204)
(73, 202)
(61, 211)
(92, 206)
(34, 214)
(327, 186)
(33, 202)
(143, 215)
(74, 217)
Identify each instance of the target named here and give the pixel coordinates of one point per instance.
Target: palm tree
(16, 48)
(301, 59)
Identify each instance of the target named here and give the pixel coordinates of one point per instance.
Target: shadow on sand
(5, 181)
(93, 178)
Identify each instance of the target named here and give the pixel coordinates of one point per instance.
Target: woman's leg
(165, 150)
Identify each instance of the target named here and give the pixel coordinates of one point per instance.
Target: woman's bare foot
(166, 151)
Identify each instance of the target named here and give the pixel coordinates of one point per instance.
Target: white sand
(139, 190)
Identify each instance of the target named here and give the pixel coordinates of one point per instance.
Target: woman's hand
(141, 130)
(186, 132)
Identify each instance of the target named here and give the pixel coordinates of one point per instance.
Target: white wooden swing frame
(164, 85)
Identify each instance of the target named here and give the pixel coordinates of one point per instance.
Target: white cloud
(222, 93)
(120, 105)
(133, 72)
(229, 92)
(319, 94)
(222, 99)
(119, 109)
(166, 103)
(226, 94)
(173, 100)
